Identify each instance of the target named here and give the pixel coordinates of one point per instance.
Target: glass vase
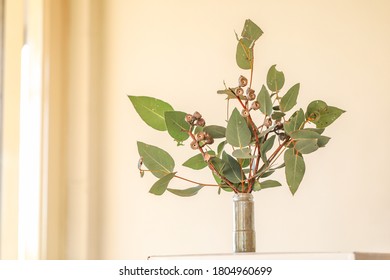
(244, 235)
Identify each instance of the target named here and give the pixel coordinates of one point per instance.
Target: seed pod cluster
(201, 139)
(249, 94)
(195, 119)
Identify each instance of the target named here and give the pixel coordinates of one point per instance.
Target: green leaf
(256, 186)
(220, 148)
(318, 130)
(225, 188)
(295, 169)
(215, 131)
(243, 153)
(306, 141)
(266, 146)
(186, 192)
(237, 131)
(251, 31)
(265, 101)
(295, 122)
(322, 141)
(151, 110)
(314, 108)
(275, 79)
(197, 162)
(176, 125)
(328, 116)
(244, 53)
(277, 116)
(322, 115)
(232, 169)
(289, 100)
(307, 146)
(161, 185)
(158, 161)
(304, 134)
(267, 173)
(218, 164)
(269, 184)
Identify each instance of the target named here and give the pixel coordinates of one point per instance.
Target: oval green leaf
(242, 153)
(295, 122)
(186, 192)
(322, 115)
(328, 116)
(161, 185)
(237, 131)
(176, 125)
(265, 101)
(158, 161)
(307, 146)
(323, 140)
(244, 54)
(275, 79)
(151, 110)
(265, 147)
(289, 100)
(251, 31)
(295, 169)
(197, 162)
(269, 184)
(232, 169)
(215, 131)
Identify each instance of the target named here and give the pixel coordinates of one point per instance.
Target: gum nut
(200, 136)
(239, 91)
(197, 115)
(255, 105)
(249, 91)
(189, 118)
(194, 145)
(245, 113)
(242, 81)
(201, 122)
(252, 96)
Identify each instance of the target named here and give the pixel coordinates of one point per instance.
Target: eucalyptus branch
(181, 178)
(250, 141)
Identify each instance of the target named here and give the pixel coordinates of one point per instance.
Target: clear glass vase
(244, 235)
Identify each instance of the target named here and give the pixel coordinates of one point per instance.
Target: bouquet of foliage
(259, 137)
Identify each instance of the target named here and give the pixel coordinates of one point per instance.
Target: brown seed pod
(200, 136)
(245, 113)
(197, 115)
(189, 118)
(201, 122)
(249, 91)
(239, 91)
(255, 105)
(251, 96)
(242, 81)
(194, 145)
(209, 140)
(267, 122)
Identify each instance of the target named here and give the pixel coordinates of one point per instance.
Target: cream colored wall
(182, 51)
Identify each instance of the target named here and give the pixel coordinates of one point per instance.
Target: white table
(280, 256)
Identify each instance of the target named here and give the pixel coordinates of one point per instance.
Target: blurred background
(70, 188)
